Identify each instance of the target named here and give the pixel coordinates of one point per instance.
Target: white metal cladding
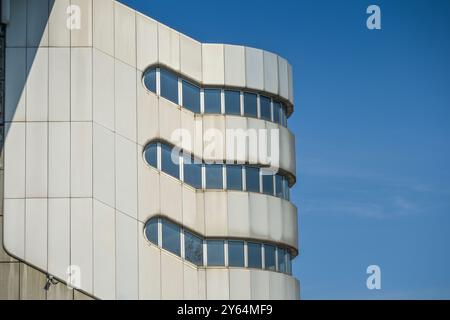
(77, 190)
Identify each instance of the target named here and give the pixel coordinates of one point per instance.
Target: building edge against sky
(78, 188)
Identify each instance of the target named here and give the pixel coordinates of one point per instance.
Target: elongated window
(193, 248)
(266, 109)
(171, 237)
(252, 179)
(200, 175)
(191, 97)
(234, 177)
(216, 253)
(168, 84)
(213, 101)
(232, 102)
(203, 252)
(254, 255)
(269, 257)
(170, 162)
(250, 105)
(236, 253)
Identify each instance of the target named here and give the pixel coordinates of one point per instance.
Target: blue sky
(372, 121)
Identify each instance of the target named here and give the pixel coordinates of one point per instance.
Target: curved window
(200, 175)
(216, 252)
(174, 88)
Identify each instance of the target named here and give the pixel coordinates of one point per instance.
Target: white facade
(77, 190)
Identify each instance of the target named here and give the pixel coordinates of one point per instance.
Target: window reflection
(250, 105)
(170, 161)
(151, 231)
(169, 85)
(252, 179)
(193, 248)
(215, 249)
(232, 102)
(265, 106)
(150, 80)
(236, 253)
(171, 237)
(234, 177)
(269, 257)
(212, 101)
(214, 176)
(191, 97)
(254, 255)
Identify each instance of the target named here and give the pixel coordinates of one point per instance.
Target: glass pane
(150, 80)
(289, 263)
(170, 161)
(276, 112)
(212, 101)
(266, 113)
(285, 189)
(151, 155)
(169, 86)
(281, 260)
(269, 256)
(215, 253)
(254, 255)
(232, 102)
(151, 231)
(193, 248)
(191, 97)
(192, 173)
(283, 116)
(171, 237)
(214, 176)
(267, 180)
(234, 177)
(236, 253)
(252, 179)
(250, 105)
(279, 186)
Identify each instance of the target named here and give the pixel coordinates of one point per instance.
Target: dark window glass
(279, 186)
(267, 180)
(286, 189)
(252, 179)
(171, 237)
(250, 105)
(236, 253)
(232, 102)
(266, 113)
(169, 86)
(170, 161)
(193, 248)
(191, 97)
(283, 116)
(234, 177)
(289, 264)
(254, 255)
(269, 256)
(212, 101)
(150, 80)
(281, 260)
(215, 253)
(192, 173)
(214, 176)
(151, 231)
(276, 112)
(151, 155)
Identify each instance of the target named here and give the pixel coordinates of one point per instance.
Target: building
(94, 95)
